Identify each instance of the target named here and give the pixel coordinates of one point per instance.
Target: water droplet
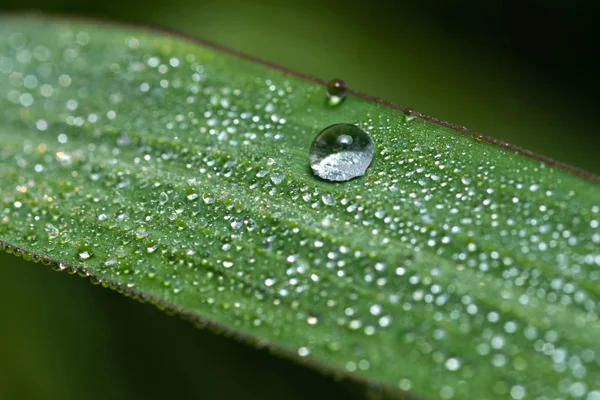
(336, 91)
(303, 351)
(208, 198)
(85, 254)
(52, 231)
(141, 232)
(341, 152)
(163, 198)
(328, 199)
(277, 178)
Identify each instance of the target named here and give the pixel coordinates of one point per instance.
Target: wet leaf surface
(454, 268)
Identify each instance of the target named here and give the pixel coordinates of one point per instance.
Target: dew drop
(409, 116)
(277, 178)
(52, 231)
(303, 351)
(208, 198)
(141, 232)
(163, 198)
(336, 91)
(341, 152)
(85, 254)
(328, 199)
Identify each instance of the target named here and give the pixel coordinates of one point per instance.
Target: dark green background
(522, 73)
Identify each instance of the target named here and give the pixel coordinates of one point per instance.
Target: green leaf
(178, 174)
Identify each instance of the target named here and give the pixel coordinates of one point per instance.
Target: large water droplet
(336, 91)
(341, 152)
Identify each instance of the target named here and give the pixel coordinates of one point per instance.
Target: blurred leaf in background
(523, 75)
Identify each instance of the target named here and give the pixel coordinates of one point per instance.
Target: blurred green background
(521, 72)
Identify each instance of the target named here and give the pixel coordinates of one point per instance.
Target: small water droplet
(341, 152)
(163, 198)
(336, 91)
(277, 178)
(141, 232)
(52, 231)
(85, 254)
(303, 351)
(193, 196)
(208, 198)
(328, 199)
(408, 115)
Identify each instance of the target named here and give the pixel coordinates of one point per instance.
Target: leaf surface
(178, 173)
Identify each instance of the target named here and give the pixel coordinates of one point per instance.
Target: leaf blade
(400, 265)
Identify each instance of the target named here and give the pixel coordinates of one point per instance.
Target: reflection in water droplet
(336, 91)
(344, 140)
(341, 152)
